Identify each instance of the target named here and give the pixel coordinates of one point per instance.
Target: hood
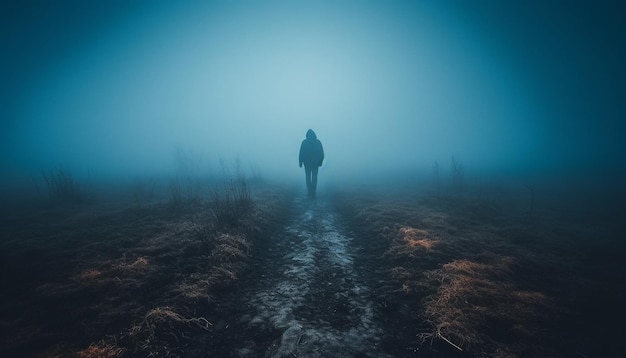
(310, 134)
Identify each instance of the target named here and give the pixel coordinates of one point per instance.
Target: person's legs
(314, 180)
(307, 174)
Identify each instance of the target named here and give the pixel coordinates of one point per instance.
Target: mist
(112, 90)
(469, 201)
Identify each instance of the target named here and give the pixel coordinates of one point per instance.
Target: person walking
(312, 156)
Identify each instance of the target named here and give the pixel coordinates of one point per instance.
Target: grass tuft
(409, 242)
(101, 350)
(233, 203)
(62, 187)
(472, 298)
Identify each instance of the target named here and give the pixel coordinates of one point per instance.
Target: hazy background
(112, 88)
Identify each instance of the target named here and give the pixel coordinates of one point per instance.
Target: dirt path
(308, 299)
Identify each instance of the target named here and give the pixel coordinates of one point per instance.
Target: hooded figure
(312, 156)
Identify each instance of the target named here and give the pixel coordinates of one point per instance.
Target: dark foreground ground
(357, 273)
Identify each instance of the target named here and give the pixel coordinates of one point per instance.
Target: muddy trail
(307, 294)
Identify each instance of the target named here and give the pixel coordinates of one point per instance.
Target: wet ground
(307, 298)
(351, 277)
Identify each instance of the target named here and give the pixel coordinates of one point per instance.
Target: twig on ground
(449, 342)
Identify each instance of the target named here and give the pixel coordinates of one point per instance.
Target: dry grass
(141, 263)
(462, 272)
(89, 275)
(101, 350)
(203, 285)
(472, 299)
(161, 330)
(195, 287)
(62, 187)
(231, 247)
(106, 270)
(232, 203)
(410, 242)
(221, 267)
(165, 315)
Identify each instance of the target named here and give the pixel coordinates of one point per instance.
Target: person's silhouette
(312, 156)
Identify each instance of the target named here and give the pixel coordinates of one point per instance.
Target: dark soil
(358, 275)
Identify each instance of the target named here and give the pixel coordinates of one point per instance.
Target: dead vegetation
(232, 203)
(142, 281)
(140, 264)
(101, 350)
(410, 241)
(89, 275)
(161, 331)
(62, 187)
(473, 300)
(231, 247)
(468, 276)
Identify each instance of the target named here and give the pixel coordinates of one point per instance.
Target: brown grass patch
(221, 266)
(106, 267)
(195, 287)
(140, 264)
(473, 300)
(101, 350)
(166, 315)
(160, 331)
(223, 274)
(409, 242)
(231, 247)
(89, 274)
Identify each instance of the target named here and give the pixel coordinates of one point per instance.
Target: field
(483, 275)
(259, 271)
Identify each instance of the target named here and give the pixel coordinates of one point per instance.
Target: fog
(114, 90)
(470, 201)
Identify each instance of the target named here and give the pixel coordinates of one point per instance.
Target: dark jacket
(311, 151)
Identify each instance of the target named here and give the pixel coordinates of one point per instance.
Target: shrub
(230, 205)
(61, 186)
(176, 192)
(457, 173)
(184, 191)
